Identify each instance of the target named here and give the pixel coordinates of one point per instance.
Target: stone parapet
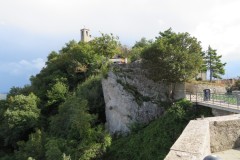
(205, 136)
(193, 144)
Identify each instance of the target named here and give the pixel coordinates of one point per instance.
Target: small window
(87, 33)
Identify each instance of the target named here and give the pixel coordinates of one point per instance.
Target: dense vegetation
(155, 140)
(61, 115)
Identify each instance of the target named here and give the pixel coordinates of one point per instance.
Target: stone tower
(85, 35)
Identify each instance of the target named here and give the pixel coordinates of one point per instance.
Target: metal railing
(223, 100)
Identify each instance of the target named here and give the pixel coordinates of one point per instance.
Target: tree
(73, 118)
(26, 90)
(138, 48)
(20, 118)
(142, 43)
(34, 147)
(173, 57)
(92, 91)
(214, 64)
(73, 125)
(3, 107)
(124, 51)
(57, 94)
(53, 151)
(72, 65)
(106, 45)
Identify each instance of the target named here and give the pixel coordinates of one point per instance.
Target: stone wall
(225, 135)
(206, 136)
(131, 98)
(193, 88)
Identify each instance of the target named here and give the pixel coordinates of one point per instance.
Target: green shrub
(91, 90)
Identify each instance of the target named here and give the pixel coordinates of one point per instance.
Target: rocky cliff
(131, 98)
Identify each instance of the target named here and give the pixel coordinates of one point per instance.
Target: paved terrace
(230, 103)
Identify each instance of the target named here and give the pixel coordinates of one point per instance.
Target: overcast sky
(31, 29)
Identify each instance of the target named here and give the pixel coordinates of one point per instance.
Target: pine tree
(214, 64)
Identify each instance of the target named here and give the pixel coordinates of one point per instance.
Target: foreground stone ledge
(193, 144)
(205, 136)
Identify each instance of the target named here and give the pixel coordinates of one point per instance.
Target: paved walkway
(217, 104)
(231, 154)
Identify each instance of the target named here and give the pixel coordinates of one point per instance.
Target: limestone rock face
(122, 110)
(131, 98)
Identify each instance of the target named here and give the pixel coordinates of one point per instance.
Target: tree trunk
(211, 75)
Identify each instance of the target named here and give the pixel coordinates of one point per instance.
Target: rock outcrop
(131, 98)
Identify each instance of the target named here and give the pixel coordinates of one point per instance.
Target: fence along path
(224, 102)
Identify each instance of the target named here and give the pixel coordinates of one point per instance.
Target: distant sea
(3, 96)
